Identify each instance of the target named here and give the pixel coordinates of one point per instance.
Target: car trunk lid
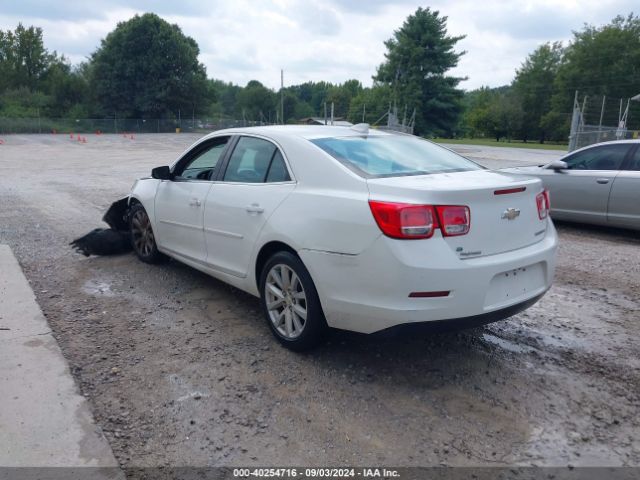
(504, 213)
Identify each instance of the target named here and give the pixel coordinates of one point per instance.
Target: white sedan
(349, 228)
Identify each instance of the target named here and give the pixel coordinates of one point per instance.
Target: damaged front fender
(117, 216)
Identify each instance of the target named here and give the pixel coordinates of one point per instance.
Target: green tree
(372, 102)
(418, 57)
(599, 61)
(148, 68)
(493, 112)
(23, 58)
(532, 84)
(256, 101)
(341, 96)
(67, 88)
(226, 97)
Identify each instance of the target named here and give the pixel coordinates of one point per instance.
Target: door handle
(254, 208)
(602, 181)
(195, 202)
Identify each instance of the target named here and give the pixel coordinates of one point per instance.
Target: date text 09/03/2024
(315, 473)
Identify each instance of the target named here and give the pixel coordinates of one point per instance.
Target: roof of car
(611, 142)
(303, 131)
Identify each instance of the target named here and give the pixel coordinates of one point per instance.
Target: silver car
(598, 184)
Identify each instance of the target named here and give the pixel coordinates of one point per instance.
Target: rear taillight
(542, 200)
(404, 220)
(454, 220)
(409, 221)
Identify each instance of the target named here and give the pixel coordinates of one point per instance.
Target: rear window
(393, 156)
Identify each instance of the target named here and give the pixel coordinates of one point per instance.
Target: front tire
(290, 303)
(143, 239)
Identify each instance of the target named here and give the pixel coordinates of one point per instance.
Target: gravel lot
(181, 369)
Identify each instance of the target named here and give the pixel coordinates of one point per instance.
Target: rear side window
(605, 157)
(278, 170)
(393, 155)
(634, 163)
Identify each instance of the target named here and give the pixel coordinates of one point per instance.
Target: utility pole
(282, 95)
(364, 111)
(325, 113)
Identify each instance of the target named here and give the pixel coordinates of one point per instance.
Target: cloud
(314, 17)
(71, 11)
(331, 40)
(369, 7)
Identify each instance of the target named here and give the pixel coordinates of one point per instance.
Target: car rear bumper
(436, 326)
(369, 292)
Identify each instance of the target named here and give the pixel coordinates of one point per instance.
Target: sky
(313, 40)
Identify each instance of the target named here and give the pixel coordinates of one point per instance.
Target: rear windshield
(393, 156)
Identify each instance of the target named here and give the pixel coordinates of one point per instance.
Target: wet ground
(181, 369)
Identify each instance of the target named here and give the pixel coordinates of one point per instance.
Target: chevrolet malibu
(349, 228)
(598, 184)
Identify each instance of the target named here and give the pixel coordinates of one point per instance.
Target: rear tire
(143, 239)
(290, 303)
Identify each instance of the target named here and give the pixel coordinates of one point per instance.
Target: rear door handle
(602, 181)
(254, 208)
(195, 202)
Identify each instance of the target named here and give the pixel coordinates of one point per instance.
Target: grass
(492, 143)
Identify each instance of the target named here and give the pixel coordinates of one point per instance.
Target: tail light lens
(454, 220)
(404, 220)
(409, 221)
(542, 200)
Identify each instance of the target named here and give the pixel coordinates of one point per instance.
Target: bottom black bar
(402, 473)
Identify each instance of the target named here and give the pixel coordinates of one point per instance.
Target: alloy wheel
(143, 238)
(286, 301)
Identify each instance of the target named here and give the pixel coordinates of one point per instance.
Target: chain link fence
(601, 119)
(118, 125)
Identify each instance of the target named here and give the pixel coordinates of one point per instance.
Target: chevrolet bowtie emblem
(511, 213)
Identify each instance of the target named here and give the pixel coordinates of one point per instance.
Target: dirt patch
(181, 369)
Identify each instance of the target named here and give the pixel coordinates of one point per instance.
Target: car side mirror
(161, 173)
(558, 165)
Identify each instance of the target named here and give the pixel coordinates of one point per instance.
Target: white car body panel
(363, 277)
(490, 233)
(234, 217)
(179, 212)
(369, 292)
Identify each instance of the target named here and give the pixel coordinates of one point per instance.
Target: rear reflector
(507, 191)
(429, 294)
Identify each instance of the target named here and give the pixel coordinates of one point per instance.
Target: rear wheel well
(267, 250)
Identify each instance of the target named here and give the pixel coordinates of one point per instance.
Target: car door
(624, 201)
(581, 192)
(179, 203)
(255, 181)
